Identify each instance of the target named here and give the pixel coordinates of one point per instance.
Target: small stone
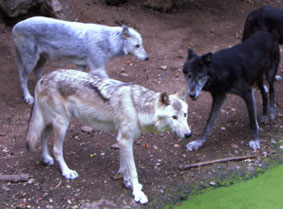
(115, 146)
(86, 129)
(278, 78)
(163, 67)
(124, 75)
(212, 183)
(31, 181)
(235, 146)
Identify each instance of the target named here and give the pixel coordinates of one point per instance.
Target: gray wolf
(235, 70)
(38, 39)
(267, 19)
(104, 104)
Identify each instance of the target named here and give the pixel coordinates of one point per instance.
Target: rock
(15, 8)
(115, 146)
(115, 2)
(278, 78)
(161, 5)
(212, 183)
(31, 181)
(163, 67)
(86, 129)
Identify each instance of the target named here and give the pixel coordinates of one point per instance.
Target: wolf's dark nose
(188, 135)
(146, 59)
(192, 95)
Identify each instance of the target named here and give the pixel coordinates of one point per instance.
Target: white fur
(40, 38)
(104, 104)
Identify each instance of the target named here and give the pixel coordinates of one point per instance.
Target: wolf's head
(173, 113)
(197, 70)
(133, 43)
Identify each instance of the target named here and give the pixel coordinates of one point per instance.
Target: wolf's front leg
(128, 169)
(216, 105)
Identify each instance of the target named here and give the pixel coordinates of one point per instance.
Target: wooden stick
(14, 178)
(186, 167)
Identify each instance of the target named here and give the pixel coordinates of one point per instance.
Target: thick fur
(104, 104)
(40, 38)
(235, 70)
(267, 19)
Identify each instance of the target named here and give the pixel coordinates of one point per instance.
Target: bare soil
(202, 25)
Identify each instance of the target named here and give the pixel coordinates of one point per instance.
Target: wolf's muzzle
(187, 135)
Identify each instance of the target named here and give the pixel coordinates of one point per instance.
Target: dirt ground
(202, 25)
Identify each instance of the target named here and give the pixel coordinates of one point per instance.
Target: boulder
(16, 8)
(161, 5)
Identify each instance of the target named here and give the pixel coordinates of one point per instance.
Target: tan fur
(104, 104)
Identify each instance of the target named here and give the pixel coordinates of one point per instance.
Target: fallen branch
(57, 186)
(186, 167)
(14, 178)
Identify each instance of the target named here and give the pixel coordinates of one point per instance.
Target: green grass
(262, 192)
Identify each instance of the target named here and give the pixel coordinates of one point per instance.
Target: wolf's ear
(125, 31)
(182, 94)
(207, 58)
(164, 98)
(191, 54)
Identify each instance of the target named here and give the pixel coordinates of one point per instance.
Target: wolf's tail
(35, 127)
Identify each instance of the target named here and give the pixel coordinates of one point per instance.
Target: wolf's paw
(254, 144)
(264, 119)
(29, 99)
(272, 113)
(70, 174)
(48, 160)
(140, 197)
(194, 145)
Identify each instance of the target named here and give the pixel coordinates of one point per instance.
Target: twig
(14, 178)
(186, 167)
(57, 186)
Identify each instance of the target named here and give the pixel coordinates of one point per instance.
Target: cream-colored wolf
(104, 104)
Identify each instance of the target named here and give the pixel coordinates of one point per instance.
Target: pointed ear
(125, 31)
(182, 94)
(207, 58)
(164, 98)
(191, 54)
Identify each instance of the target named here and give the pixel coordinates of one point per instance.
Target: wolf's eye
(137, 46)
(200, 77)
(189, 75)
(175, 117)
(185, 114)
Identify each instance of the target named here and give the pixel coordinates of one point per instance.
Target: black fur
(93, 87)
(267, 19)
(235, 70)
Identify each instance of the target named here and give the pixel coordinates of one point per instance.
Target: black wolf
(267, 19)
(235, 70)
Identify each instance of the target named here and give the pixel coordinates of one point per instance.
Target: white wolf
(38, 39)
(104, 104)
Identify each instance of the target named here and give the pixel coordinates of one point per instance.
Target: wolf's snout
(146, 59)
(193, 96)
(187, 135)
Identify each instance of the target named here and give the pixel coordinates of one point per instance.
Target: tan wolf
(104, 104)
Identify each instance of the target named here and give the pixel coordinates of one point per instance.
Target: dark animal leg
(218, 100)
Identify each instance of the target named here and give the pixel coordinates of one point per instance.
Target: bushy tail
(35, 127)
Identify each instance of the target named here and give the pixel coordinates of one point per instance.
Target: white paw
(140, 197)
(70, 174)
(29, 100)
(48, 160)
(194, 145)
(254, 144)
